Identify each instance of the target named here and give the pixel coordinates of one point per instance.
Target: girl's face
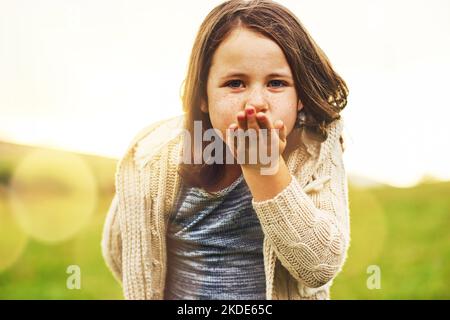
(249, 69)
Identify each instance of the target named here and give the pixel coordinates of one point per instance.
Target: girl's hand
(259, 143)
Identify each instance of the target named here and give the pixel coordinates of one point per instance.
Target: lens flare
(53, 195)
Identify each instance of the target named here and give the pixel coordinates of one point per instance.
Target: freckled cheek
(287, 112)
(223, 110)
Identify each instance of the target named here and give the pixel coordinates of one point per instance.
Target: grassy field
(403, 232)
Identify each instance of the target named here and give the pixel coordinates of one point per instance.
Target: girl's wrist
(266, 186)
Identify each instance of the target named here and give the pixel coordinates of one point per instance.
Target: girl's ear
(204, 106)
(300, 105)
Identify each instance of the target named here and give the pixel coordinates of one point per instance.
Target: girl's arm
(310, 233)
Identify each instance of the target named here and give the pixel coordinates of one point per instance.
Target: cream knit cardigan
(306, 226)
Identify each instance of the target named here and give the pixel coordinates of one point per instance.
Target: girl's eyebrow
(243, 75)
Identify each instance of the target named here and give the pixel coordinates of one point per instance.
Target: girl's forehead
(244, 49)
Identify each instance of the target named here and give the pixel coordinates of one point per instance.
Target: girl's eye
(234, 83)
(277, 83)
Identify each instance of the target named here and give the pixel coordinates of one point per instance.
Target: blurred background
(78, 79)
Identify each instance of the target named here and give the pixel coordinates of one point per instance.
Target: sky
(88, 75)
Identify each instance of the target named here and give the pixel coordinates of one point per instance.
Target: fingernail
(250, 111)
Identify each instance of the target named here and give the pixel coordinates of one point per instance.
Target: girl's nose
(257, 100)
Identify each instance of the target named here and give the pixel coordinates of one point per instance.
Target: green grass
(405, 232)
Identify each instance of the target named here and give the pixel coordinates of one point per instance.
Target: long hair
(322, 91)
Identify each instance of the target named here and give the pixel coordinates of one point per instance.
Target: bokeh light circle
(53, 194)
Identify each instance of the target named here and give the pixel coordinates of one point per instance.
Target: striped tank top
(215, 246)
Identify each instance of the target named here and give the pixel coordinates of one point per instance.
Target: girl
(180, 229)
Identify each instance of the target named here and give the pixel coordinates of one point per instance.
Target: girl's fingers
(282, 130)
(233, 126)
(241, 120)
(263, 120)
(251, 118)
(229, 138)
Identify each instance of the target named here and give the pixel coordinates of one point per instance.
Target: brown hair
(322, 91)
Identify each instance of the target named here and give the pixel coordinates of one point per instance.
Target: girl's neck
(232, 173)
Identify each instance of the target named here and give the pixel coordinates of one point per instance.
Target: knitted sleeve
(310, 233)
(111, 241)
